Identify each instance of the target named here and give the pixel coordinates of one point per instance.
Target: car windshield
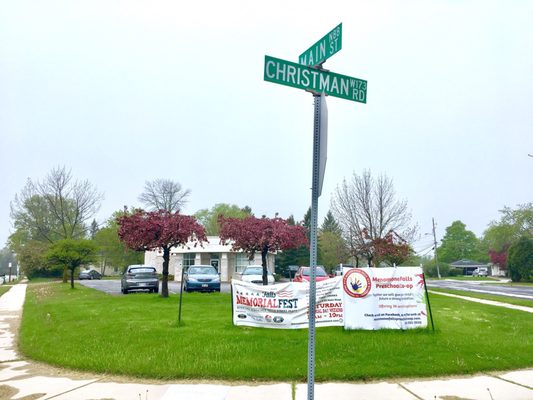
(202, 271)
(142, 270)
(254, 271)
(319, 271)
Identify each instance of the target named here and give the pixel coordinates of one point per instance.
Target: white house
(227, 262)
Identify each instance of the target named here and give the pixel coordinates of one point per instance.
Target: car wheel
(125, 291)
(156, 290)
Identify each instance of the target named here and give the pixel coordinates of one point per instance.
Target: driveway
(113, 286)
(496, 288)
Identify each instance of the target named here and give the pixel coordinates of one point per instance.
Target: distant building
(467, 266)
(227, 262)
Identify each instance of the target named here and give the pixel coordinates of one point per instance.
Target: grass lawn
(137, 335)
(485, 296)
(4, 289)
(44, 280)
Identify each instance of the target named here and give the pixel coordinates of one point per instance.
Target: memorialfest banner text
(286, 305)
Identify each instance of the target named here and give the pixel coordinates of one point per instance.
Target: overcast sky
(127, 91)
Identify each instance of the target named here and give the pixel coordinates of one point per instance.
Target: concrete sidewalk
(27, 380)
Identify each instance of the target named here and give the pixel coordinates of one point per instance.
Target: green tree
(209, 218)
(307, 221)
(500, 235)
(111, 250)
(299, 255)
(93, 229)
(459, 243)
(70, 254)
(58, 207)
(332, 249)
(521, 259)
(330, 224)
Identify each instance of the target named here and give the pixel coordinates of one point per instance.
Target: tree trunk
(164, 283)
(264, 253)
(65, 274)
(71, 277)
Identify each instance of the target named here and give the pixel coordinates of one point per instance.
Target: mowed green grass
(137, 335)
(4, 289)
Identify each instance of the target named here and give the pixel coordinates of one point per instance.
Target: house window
(188, 259)
(241, 261)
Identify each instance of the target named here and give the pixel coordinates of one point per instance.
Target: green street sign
(315, 80)
(323, 49)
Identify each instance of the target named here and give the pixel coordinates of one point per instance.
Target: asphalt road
(522, 292)
(113, 286)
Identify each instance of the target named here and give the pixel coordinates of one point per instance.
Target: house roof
(212, 246)
(467, 263)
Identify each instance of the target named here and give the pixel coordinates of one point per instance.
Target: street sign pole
(309, 75)
(313, 252)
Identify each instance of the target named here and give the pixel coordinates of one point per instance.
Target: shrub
(520, 259)
(444, 269)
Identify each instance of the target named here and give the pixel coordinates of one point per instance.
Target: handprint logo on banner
(356, 283)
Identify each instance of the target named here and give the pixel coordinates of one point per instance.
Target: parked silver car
(481, 271)
(140, 277)
(254, 274)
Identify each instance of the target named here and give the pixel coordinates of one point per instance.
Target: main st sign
(323, 49)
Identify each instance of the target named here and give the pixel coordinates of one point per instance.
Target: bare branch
(56, 208)
(367, 209)
(164, 194)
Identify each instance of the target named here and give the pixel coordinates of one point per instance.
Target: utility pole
(435, 248)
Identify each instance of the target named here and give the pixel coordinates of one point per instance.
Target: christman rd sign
(318, 81)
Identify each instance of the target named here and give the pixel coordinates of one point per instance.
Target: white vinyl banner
(384, 298)
(286, 305)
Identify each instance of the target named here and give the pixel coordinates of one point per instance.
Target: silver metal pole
(313, 253)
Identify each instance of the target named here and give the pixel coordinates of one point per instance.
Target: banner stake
(429, 304)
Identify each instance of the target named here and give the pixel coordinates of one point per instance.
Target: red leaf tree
(261, 235)
(499, 257)
(391, 249)
(161, 229)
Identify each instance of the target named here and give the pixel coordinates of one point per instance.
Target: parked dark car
(140, 277)
(89, 274)
(292, 270)
(202, 278)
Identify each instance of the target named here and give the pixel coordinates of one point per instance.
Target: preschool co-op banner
(363, 298)
(376, 298)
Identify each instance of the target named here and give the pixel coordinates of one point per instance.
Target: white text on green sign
(318, 81)
(323, 49)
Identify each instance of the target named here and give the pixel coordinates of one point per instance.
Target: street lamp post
(435, 248)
